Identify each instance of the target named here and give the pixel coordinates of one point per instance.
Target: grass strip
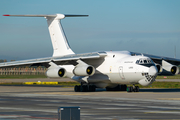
(22, 76)
(44, 76)
(171, 85)
(169, 77)
(68, 84)
(155, 84)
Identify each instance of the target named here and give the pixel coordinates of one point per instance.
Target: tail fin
(58, 38)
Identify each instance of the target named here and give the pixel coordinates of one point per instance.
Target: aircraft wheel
(90, 88)
(129, 89)
(83, 88)
(93, 88)
(77, 88)
(137, 89)
(118, 88)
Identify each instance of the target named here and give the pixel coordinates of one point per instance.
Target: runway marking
(163, 112)
(169, 98)
(160, 107)
(115, 108)
(27, 109)
(13, 116)
(121, 104)
(104, 118)
(22, 116)
(41, 83)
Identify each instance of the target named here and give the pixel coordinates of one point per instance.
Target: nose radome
(153, 71)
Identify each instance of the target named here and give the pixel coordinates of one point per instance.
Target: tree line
(4, 60)
(25, 70)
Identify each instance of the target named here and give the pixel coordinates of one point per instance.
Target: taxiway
(37, 102)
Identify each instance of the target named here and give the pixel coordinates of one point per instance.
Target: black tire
(93, 88)
(137, 88)
(90, 88)
(84, 88)
(77, 88)
(117, 88)
(81, 89)
(129, 89)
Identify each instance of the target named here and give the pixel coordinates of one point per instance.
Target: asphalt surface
(36, 102)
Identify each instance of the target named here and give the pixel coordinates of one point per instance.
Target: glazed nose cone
(153, 71)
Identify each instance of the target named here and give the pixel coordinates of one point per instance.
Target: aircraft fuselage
(118, 67)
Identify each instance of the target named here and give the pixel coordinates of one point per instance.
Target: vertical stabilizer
(58, 38)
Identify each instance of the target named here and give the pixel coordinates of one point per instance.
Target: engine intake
(56, 72)
(169, 69)
(172, 69)
(159, 68)
(86, 70)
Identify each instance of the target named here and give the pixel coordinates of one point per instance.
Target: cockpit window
(144, 61)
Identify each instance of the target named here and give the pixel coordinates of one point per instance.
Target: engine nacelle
(56, 72)
(85, 70)
(159, 68)
(169, 69)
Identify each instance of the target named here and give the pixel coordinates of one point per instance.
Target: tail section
(58, 38)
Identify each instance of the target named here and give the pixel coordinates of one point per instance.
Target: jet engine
(159, 68)
(169, 69)
(85, 70)
(56, 72)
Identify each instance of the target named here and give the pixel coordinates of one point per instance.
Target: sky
(146, 26)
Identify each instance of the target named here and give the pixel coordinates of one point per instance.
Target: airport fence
(23, 71)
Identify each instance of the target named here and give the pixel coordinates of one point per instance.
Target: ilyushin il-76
(113, 70)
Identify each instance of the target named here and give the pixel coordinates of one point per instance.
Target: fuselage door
(121, 72)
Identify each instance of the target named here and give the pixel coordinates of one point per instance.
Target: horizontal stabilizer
(59, 41)
(46, 15)
(31, 15)
(76, 15)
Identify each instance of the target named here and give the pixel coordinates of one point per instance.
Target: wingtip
(6, 15)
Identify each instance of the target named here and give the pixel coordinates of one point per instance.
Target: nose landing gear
(133, 89)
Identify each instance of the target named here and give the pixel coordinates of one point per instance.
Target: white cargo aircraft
(113, 70)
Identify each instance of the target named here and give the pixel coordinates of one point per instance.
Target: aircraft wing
(158, 59)
(63, 60)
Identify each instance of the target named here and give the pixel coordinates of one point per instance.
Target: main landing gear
(133, 89)
(85, 88)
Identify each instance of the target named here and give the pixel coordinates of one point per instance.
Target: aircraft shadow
(103, 89)
(145, 90)
(159, 90)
